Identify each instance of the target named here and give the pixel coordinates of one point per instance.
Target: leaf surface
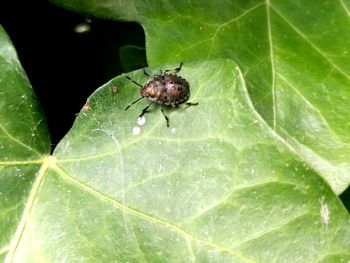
(294, 57)
(184, 193)
(24, 142)
(130, 55)
(237, 178)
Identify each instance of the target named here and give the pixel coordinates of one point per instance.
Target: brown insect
(164, 89)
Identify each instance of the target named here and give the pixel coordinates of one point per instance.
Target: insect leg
(144, 72)
(179, 68)
(175, 70)
(145, 109)
(166, 117)
(132, 103)
(191, 103)
(138, 84)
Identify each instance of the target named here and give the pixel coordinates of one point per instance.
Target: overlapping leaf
(204, 189)
(294, 57)
(24, 141)
(234, 179)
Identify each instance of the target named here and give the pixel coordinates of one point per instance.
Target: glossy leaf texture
(130, 55)
(202, 190)
(294, 56)
(24, 142)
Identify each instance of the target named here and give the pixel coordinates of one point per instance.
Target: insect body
(167, 89)
(164, 89)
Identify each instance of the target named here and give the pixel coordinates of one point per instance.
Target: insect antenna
(132, 103)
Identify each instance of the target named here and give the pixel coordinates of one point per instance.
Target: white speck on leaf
(324, 212)
(173, 131)
(141, 120)
(136, 130)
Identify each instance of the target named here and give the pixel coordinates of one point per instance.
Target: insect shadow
(164, 89)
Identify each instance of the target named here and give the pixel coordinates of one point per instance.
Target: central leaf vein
(145, 216)
(273, 75)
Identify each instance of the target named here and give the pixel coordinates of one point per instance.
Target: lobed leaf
(202, 190)
(24, 143)
(293, 55)
(237, 178)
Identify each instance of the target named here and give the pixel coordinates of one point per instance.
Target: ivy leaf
(130, 55)
(203, 190)
(24, 142)
(225, 183)
(293, 55)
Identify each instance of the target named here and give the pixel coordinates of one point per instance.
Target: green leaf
(132, 57)
(293, 55)
(202, 190)
(24, 142)
(237, 178)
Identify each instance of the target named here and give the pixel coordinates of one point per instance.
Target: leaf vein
(4, 164)
(312, 107)
(145, 216)
(235, 190)
(235, 19)
(273, 74)
(307, 40)
(87, 157)
(270, 230)
(11, 137)
(27, 211)
(138, 244)
(345, 7)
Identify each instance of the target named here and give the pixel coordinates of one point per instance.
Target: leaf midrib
(49, 161)
(143, 215)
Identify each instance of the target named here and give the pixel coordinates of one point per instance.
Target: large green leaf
(227, 182)
(24, 142)
(202, 190)
(293, 54)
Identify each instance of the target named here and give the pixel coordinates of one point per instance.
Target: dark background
(63, 66)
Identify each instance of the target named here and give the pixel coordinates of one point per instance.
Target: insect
(164, 89)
